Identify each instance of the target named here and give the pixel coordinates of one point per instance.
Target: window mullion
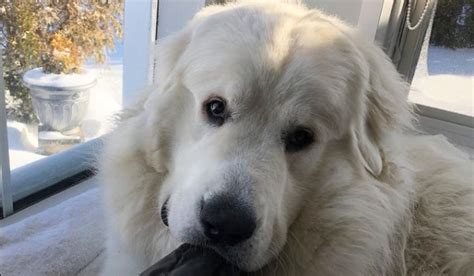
(7, 203)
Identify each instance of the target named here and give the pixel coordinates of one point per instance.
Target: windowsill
(49, 202)
(64, 233)
(444, 80)
(462, 104)
(43, 173)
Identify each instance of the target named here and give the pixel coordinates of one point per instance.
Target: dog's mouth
(234, 255)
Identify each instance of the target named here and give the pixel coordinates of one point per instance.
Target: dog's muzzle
(227, 221)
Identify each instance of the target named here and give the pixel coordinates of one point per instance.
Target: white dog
(284, 141)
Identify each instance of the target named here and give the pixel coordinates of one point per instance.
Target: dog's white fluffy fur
(369, 197)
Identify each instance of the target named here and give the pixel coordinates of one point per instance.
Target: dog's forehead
(258, 48)
(270, 60)
(232, 50)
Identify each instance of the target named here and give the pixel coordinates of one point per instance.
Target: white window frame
(5, 189)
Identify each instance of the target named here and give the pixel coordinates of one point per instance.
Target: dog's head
(249, 96)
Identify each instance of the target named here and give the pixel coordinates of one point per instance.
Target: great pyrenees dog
(279, 137)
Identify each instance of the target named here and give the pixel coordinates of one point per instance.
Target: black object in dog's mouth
(191, 260)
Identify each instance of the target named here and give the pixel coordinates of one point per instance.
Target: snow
(105, 101)
(445, 61)
(51, 135)
(22, 143)
(447, 82)
(39, 78)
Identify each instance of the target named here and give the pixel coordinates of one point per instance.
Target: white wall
(361, 13)
(347, 10)
(364, 14)
(137, 40)
(174, 14)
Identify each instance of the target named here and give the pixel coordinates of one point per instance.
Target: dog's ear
(163, 100)
(167, 53)
(384, 107)
(366, 148)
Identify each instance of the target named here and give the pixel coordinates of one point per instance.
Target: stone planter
(59, 101)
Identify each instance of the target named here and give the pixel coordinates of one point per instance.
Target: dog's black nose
(227, 221)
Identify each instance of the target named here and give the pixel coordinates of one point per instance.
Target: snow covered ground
(447, 82)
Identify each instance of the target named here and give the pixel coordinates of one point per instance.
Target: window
(443, 81)
(62, 81)
(435, 71)
(62, 68)
(445, 71)
(30, 169)
(62, 61)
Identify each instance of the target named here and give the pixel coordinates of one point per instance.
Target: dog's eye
(298, 139)
(164, 212)
(216, 111)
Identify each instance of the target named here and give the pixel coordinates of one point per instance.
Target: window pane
(63, 73)
(444, 75)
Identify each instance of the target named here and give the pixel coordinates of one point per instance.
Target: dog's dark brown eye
(216, 111)
(298, 139)
(164, 212)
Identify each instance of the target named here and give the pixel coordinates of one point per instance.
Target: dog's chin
(247, 257)
(238, 258)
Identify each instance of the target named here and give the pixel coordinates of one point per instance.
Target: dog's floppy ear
(167, 53)
(367, 149)
(145, 114)
(384, 107)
